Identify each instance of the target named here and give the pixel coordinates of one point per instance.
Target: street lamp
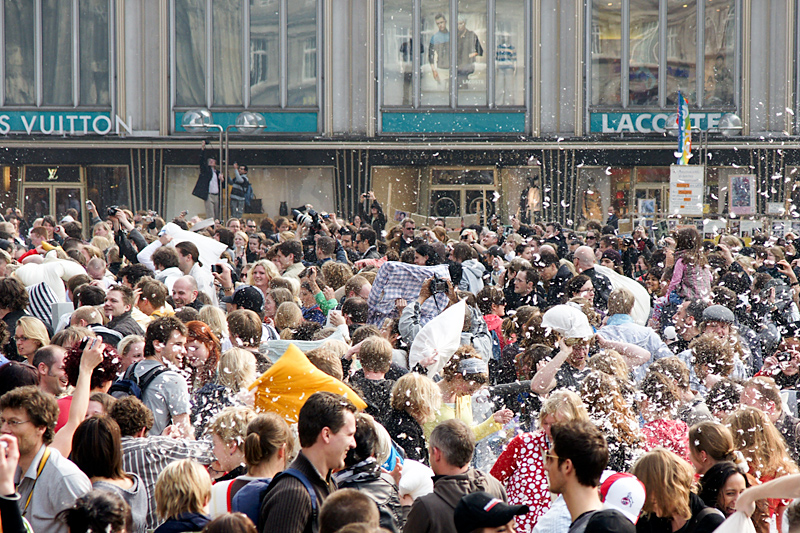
(201, 121)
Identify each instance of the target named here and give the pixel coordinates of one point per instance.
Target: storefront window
(219, 80)
(644, 49)
(54, 83)
(510, 53)
(600, 189)
(107, 186)
(458, 71)
(719, 49)
(658, 57)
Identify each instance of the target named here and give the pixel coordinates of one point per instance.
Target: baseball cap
(246, 297)
(623, 492)
(718, 313)
(481, 509)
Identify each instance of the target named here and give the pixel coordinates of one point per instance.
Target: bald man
(584, 260)
(184, 293)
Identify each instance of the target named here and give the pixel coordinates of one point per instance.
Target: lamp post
(201, 121)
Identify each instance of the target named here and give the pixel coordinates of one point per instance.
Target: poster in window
(742, 194)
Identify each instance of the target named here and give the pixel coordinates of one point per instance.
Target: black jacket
(557, 292)
(650, 523)
(201, 187)
(407, 432)
(184, 522)
(126, 325)
(602, 287)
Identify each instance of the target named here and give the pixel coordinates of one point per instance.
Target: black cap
(495, 251)
(481, 509)
(246, 297)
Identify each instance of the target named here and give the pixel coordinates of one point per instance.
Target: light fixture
(250, 123)
(196, 120)
(730, 125)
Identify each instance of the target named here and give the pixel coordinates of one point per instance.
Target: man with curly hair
(49, 483)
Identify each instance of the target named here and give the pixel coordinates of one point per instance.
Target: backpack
(249, 195)
(130, 385)
(295, 473)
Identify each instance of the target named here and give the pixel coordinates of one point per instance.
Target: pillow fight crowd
(477, 379)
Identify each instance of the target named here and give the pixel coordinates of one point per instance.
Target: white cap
(568, 321)
(623, 492)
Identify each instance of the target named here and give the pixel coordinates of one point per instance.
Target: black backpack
(130, 385)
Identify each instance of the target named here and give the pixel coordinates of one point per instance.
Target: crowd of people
(483, 378)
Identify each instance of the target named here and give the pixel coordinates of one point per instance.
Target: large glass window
(482, 65)
(218, 44)
(46, 75)
(645, 52)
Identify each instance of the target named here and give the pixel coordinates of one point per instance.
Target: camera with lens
(439, 285)
(113, 210)
(309, 217)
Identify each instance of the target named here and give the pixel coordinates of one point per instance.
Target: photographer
(375, 216)
(239, 185)
(124, 231)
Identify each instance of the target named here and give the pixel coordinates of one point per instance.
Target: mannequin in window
(469, 47)
(506, 61)
(592, 202)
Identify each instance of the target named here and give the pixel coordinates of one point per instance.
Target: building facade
(541, 109)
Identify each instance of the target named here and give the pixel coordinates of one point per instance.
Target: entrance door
(651, 199)
(52, 191)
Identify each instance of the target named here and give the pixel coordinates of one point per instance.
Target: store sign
(647, 122)
(62, 123)
(686, 189)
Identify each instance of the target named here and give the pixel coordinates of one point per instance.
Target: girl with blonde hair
(215, 318)
(520, 468)
(670, 503)
(30, 335)
(609, 411)
(414, 399)
(261, 273)
(182, 493)
(288, 316)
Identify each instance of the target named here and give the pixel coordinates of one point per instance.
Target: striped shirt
(148, 456)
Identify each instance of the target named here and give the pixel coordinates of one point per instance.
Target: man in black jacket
(207, 187)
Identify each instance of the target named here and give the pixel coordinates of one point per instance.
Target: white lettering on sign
(625, 124)
(52, 124)
(641, 127)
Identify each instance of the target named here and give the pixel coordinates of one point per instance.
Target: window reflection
(265, 58)
(56, 52)
(398, 76)
(190, 52)
(719, 52)
(644, 53)
(681, 50)
(509, 59)
(18, 53)
(435, 31)
(227, 52)
(302, 60)
(606, 53)
(471, 60)
(93, 21)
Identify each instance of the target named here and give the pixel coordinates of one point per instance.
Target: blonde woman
(237, 370)
(228, 430)
(215, 318)
(521, 465)
(670, 503)
(183, 490)
(288, 316)
(240, 240)
(261, 273)
(30, 335)
(415, 399)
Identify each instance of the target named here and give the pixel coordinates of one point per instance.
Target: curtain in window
(227, 31)
(302, 60)
(94, 84)
(190, 52)
(19, 62)
(56, 52)
(265, 58)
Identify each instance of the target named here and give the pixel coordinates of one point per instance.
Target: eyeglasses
(20, 338)
(592, 237)
(551, 457)
(251, 226)
(12, 423)
(576, 342)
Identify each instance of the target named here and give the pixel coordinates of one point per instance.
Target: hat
(495, 251)
(612, 254)
(623, 492)
(718, 313)
(67, 218)
(480, 509)
(568, 321)
(246, 297)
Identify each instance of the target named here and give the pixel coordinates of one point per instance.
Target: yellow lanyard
(42, 462)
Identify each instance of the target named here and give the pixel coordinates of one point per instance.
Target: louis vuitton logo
(52, 174)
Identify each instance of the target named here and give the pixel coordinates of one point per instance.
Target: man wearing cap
(574, 464)
(249, 298)
(480, 512)
(451, 446)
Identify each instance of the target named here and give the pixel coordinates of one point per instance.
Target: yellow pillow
(286, 386)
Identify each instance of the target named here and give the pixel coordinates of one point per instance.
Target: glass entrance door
(53, 191)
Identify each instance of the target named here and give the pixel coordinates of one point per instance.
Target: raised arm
(91, 357)
(634, 355)
(545, 378)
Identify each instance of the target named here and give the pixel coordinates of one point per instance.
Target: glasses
(592, 237)
(576, 342)
(12, 423)
(551, 457)
(20, 338)
(251, 226)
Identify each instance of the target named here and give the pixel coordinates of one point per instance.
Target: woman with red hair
(202, 358)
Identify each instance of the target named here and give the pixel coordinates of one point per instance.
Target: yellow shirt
(462, 410)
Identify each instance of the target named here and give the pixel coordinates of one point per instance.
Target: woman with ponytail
(268, 446)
